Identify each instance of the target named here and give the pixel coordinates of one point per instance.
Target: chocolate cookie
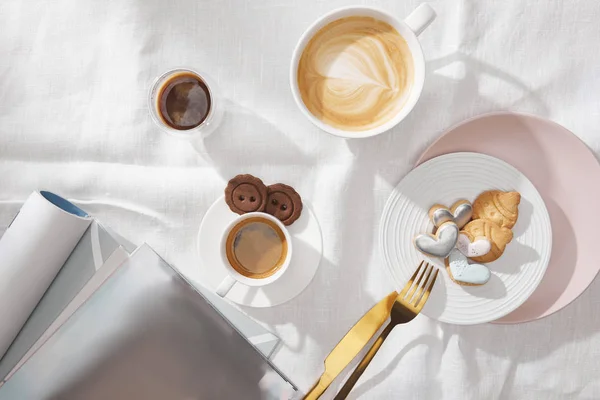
(284, 203)
(246, 193)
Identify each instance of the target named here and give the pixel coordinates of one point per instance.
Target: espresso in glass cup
(185, 103)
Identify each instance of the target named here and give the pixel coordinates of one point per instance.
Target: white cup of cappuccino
(256, 249)
(358, 71)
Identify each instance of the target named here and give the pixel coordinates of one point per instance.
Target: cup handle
(225, 286)
(420, 18)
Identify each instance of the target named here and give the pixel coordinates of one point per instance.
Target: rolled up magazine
(32, 251)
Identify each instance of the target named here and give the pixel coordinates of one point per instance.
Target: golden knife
(351, 344)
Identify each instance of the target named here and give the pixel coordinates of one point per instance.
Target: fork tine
(427, 274)
(419, 304)
(410, 282)
(416, 285)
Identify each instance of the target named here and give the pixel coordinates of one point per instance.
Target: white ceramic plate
(444, 180)
(307, 242)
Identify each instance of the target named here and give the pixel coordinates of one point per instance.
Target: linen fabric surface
(74, 119)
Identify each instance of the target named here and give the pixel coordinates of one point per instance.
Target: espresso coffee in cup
(355, 73)
(185, 103)
(256, 248)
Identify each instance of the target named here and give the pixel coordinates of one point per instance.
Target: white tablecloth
(74, 119)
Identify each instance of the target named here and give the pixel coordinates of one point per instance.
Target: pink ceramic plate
(566, 174)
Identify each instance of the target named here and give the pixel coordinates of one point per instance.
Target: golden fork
(408, 304)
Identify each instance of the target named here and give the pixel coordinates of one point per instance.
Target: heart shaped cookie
(439, 214)
(440, 244)
(479, 247)
(463, 273)
(460, 213)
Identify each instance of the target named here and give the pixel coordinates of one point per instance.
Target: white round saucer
(307, 243)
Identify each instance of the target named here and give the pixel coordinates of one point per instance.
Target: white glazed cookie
(480, 246)
(463, 273)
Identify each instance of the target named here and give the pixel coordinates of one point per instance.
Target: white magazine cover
(147, 333)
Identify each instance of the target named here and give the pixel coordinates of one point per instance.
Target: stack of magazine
(84, 314)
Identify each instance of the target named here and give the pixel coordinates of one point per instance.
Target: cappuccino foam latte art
(355, 74)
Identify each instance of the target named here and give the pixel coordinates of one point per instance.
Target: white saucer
(446, 179)
(307, 243)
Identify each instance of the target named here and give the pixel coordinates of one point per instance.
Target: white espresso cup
(233, 275)
(409, 29)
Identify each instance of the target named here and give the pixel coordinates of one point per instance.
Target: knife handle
(360, 368)
(319, 388)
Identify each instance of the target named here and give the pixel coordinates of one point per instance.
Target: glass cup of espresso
(185, 103)
(256, 249)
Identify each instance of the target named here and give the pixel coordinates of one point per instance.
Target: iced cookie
(246, 193)
(498, 237)
(479, 247)
(497, 206)
(284, 203)
(440, 244)
(463, 273)
(439, 214)
(460, 213)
